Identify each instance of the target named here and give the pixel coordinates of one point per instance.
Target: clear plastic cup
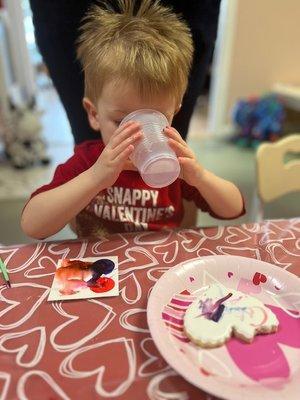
(153, 157)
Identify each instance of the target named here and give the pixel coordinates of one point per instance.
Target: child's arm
(223, 197)
(48, 212)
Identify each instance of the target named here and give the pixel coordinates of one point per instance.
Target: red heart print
(25, 342)
(34, 382)
(169, 251)
(99, 360)
(230, 274)
(153, 363)
(67, 336)
(259, 278)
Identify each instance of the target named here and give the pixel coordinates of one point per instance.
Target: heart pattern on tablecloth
(236, 236)
(106, 246)
(46, 267)
(137, 258)
(214, 233)
(156, 388)
(14, 343)
(68, 250)
(74, 344)
(14, 314)
(154, 274)
(130, 288)
(284, 258)
(203, 252)
(154, 363)
(72, 334)
(274, 233)
(42, 382)
(169, 251)
(250, 252)
(192, 240)
(19, 261)
(134, 320)
(99, 360)
(152, 238)
(5, 380)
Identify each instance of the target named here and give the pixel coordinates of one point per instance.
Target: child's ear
(92, 113)
(178, 109)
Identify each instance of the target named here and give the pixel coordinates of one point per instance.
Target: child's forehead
(126, 98)
(116, 90)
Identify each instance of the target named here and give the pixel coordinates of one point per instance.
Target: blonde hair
(148, 45)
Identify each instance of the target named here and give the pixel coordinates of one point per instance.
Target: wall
(261, 39)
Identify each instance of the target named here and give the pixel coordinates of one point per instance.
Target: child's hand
(115, 155)
(191, 170)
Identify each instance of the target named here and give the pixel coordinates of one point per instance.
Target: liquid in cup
(153, 157)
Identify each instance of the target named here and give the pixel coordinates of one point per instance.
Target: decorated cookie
(218, 313)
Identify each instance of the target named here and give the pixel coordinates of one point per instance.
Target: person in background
(133, 58)
(56, 25)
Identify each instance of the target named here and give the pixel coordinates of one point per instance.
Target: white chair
(275, 177)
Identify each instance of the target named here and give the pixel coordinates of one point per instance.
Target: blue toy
(258, 119)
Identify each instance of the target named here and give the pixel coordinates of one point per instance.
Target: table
(102, 348)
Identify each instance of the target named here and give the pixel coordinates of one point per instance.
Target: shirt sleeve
(74, 166)
(190, 193)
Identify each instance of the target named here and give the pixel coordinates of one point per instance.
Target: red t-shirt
(130, 204)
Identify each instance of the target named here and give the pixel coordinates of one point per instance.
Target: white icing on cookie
(218, 313)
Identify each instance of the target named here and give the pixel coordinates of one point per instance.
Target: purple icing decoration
(218, 314)
(212, 310)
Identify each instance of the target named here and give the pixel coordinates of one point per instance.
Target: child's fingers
(173, 134)
(123, 156)
(180, 149)
(191, 170)
(122, 133)
(187, 166)
(123, 126)
(129, 166)
(132, 139)
(185, 161)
